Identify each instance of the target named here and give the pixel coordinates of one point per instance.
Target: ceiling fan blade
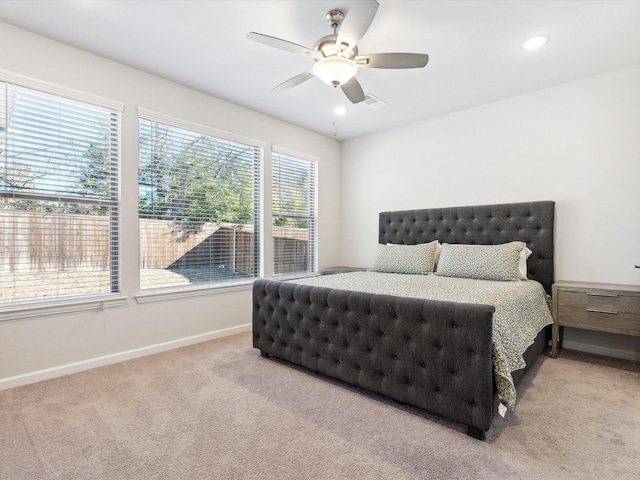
(356, 22)
(353, 90)
(293, 82)
(282, 44)
(392, 60)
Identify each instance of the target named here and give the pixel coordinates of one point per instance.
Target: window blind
(199, 199)
(59, 196)
(294, 184)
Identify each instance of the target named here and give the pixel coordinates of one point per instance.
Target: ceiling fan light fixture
(335, 70)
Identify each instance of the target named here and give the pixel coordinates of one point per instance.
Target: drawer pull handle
(595, 310)
(613, 295)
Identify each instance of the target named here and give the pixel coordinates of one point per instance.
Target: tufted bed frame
(361, 338)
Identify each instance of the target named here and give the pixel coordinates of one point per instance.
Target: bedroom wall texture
(576, 143)
(46, 346)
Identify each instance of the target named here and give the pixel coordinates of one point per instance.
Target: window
(59, 159)
(294, 215)
(198, 205)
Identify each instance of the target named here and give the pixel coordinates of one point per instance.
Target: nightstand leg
(560, 335)
(556, 339)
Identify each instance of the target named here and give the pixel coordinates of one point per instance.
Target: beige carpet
(218, 410)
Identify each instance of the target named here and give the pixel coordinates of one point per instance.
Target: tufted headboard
(529, 222)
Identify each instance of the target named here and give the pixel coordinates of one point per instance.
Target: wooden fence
(36, 242)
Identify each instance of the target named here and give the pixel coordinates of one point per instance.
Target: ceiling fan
(336, 56)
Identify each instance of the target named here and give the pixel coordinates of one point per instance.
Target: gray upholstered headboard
(530, 222)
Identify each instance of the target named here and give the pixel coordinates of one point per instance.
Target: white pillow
(410, 259)
(525, 253)
(483, 262)
(438, 252)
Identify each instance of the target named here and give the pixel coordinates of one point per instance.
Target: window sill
(30, 310)
(177, 293)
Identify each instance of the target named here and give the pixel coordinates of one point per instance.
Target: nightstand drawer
(600, 301)
(602, 319)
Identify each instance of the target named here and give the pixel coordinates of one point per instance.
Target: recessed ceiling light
(533, 43)
(340, 110)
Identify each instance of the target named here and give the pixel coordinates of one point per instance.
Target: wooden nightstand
(334, 270)
(594, 306)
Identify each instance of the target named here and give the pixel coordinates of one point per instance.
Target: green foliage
(95, 180)
(22, 172)
(292, 205)
(198, 180)
(96, 172)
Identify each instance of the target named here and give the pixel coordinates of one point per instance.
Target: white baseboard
(59, 371)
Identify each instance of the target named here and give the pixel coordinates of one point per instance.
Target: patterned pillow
(483, 262)
(417, 259)
(439, 249)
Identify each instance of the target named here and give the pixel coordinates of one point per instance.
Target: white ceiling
(473, 48)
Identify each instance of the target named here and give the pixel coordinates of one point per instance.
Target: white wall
(84, 339)
(577, 144)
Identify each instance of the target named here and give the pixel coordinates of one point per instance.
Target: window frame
(162, 293)
(73, 303)
(312, 216)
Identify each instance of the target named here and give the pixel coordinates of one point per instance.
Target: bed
(364, 338)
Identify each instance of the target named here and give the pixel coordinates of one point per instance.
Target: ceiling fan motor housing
(327, 47)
